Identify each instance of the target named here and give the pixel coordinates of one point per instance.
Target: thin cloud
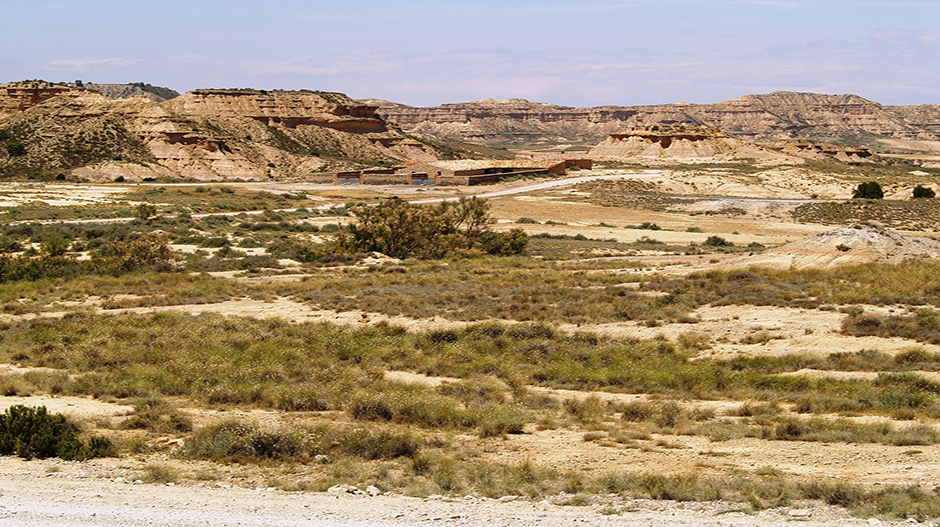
(86, 63)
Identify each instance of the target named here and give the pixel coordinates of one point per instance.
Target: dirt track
(57, 494)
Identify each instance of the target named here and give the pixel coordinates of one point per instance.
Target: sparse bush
(923, 326)
(159, 474)
(145, 211)
(846, 431)
(145, 252)
(371, 409)
(590, 409)
(717, 241)
(158, 415)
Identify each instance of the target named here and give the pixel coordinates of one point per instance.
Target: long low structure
(458, 172)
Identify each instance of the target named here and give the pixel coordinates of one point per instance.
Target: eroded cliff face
(18, 97)
(684, 143)
(205, 134)
(777, 116)
(810, 150)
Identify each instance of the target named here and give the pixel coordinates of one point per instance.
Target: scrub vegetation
(89, 309)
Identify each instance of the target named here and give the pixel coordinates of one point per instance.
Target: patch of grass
(923, 326)
(154, 473)
(230, 361)
(241, 442)
(157, 415)
(844, 431)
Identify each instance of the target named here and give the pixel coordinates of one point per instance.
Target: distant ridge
(841, 119)
(134, 89)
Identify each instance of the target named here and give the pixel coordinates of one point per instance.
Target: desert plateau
(264, 307)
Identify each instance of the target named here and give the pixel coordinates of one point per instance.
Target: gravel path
(78, 498)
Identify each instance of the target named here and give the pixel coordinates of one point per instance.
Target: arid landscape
(714, 324)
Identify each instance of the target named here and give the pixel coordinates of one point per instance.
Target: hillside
(135, 89)
(204, 134)
(842, 119)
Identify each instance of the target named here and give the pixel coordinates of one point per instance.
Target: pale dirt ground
(93, 494)
(102, 492)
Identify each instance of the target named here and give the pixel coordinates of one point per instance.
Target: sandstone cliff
(844, 119)
(205, 134)
(680, 142)
(691, 142)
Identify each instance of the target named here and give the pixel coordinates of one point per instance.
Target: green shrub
(235, 441)
(147, 252)
(16, 149)
(145, 211)
(30, 432)
(924, 192)
(868, 190)
(501, 420)
(717, 241)
(371, 409)
(379, 444)
(404, 230)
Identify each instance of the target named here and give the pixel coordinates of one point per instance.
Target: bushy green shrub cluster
(921, 191)
(403, 230)
(236, 441)
(868, 190)
(32, 432)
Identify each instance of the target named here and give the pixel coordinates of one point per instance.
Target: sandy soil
(57, 195)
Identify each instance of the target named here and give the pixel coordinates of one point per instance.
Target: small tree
(869, 190)
(921, 191)
(55, 245)
(404, 230)
(148, 252)
(145, 211)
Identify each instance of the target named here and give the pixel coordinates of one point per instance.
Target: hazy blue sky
(577, 53)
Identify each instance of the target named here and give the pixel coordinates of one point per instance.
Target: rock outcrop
(846, 245)
(205, 134)
(811, 150)
(846, 119)
(677, 142)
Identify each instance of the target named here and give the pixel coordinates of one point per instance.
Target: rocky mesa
(204, 134)
(843, 119)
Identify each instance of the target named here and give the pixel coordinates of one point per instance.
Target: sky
(425, 53)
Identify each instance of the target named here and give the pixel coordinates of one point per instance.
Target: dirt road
(32, 496)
